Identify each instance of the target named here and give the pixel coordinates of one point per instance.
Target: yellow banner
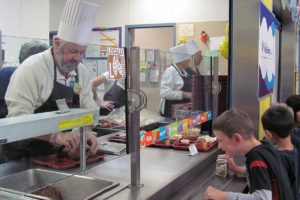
(87, 119)
(264, 104)
(268, 4)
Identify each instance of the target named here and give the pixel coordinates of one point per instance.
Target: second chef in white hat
(51, 75)
(196, 53)
(175, 86)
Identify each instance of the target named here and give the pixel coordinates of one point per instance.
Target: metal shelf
(24, 127)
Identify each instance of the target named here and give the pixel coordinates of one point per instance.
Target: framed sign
(102, 39)
(116, 63)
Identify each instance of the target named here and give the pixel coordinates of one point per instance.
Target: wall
(156, 38)
(22, 18)
(164, 11)
(129, 12)
(213, 29)
(26, 19)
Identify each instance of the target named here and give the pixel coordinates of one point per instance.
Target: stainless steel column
(82, 149)
(134, 116)
(288, 57)
(1, 62)
(243, 67)
(216, 88)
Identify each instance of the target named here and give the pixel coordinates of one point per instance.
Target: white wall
(25, 18)
(129, 12)
(160, 11)
(111, 13)
(34, 18)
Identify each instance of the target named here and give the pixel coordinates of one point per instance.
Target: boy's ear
(237, 137)
(268, 134)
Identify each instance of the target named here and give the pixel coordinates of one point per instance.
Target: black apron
(115, 94)
(35, 147)
(187, 87)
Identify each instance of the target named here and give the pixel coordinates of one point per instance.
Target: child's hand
(234, 167)
(212, 193)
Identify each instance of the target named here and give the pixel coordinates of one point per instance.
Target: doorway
(154, 41)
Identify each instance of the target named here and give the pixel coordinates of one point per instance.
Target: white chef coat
(109, 82)
(32, 83)
(171, 85)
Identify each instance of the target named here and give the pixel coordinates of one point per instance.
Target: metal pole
(82, 149)
(215, 87)
(1, 58)
(134, 117)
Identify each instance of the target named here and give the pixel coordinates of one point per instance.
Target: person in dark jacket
(294, 102)
(278, 123)
(267, 176)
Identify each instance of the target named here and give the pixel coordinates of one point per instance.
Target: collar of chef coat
(182, 73)
(61, 78)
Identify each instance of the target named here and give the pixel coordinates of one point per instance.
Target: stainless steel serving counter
(164, 172)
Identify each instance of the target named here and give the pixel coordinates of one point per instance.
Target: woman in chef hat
(175, 86)
(196, 53)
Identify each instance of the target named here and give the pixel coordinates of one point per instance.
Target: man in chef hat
(55, 74)
(196, 53)
(175, 86)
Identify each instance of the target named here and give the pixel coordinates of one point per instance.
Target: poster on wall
(102, 39)
(266, 51)
(116, 63)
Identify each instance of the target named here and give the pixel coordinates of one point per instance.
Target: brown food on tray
(49, 192)
(117, 138)
(193, 132)
(175, 137)
(106, 123)
(202, 143)
(165, 141)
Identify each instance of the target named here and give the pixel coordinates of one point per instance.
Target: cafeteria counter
(165, 174)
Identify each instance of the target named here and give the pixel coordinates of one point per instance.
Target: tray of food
(120, 138)
(202, 143)
(110, 123)
(166, 143)
(57, 162)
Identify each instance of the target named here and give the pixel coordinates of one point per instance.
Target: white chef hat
(180, 53)
(77, 21)
(192, 47)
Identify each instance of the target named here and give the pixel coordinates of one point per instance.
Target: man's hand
(212, 193)
(187, 95)
(71, 141)
(68, 139)
(92, 142)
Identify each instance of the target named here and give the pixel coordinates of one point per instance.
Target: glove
(70, 140)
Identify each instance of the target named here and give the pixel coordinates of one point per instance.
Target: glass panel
(186, 117)
(30, 164)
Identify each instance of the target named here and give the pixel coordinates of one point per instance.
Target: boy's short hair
(234, 121)
(279, 120)
(294, 102)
